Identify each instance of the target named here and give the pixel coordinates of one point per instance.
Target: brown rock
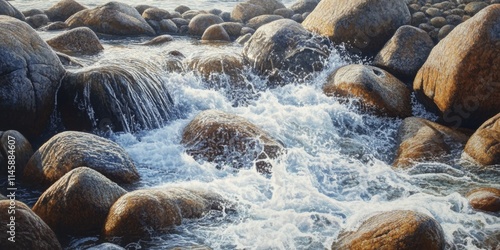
(483, 147)
(69, 150)
(229, 139)
(78, 41)
(155, 14)
(182, 8)
(63, 10)
(377, 89)
(37, 21)
(30, 231)
(364, 24)
(302, 6)
(14, 148)
(233, 29)
(200, 23)
(213, 67)
(79, 202)
(269, 5)
(142, 7)
(461, 77)
(284, 12)
(421, 140)
(7, 9)
(444, 31)
(258, 21)
(243, 12)
(159, 40)
(215, 33)
(401, 229)
(474, 7)
(55, 26)
(485, 199)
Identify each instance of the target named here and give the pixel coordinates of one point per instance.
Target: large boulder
(143, 213)
(483, 147)
(7, 9)
(377, 90)
(461, 78)
(216, 67)
(29, 230)
(201, 22)
(127, 97)
(113, 18)
(485, 199)
(80, 41)
(405, 53)
(230, 139)
(421, 140)
(63, 9)
(79, 202)
(285, 45)
(400, 229)
(366, 25)
(14, 148)
(69, 150)
(30, 73)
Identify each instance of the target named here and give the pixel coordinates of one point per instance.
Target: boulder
(405, 52)
(219, 66)
(243, 12)
(155, 14)
(113, 18)
(483, 147)
(30, 231)
(376, 89)
(37, 21)
(144, 213)
(142, 7)
(62, 10)
(69, 150)
(78, 41)
(421, 140)
(168, 26)
(233, 29)
(29, 78)
(461, 77)
(474, 7)
(229, 139)
(269, 6)
(190, 14)
(286, 13)
(15, 148)
(366, 25)
(159, 40)
(215, 33)
(302, 6)
(201, 22)
(400, 229)
(32, 12)
(485, 199)
(7, 9)
(182, 8)
(79, 202)
(55, 26)
(285, 45)
(119, 96)
(258, 21)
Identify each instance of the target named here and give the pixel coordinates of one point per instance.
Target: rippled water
(336, 171)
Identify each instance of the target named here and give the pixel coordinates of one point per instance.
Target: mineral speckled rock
(63, 9)
(79, 41)
(483, 147)
(485, 199)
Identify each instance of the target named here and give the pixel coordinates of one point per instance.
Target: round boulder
(37, 21)
(79, 202)
(233, 29)
(216, 66)
(201, 22)
(461, 78)
(69, 150)
(269, 6)
(79, 41)
(155, 14)
(63, 10)
(243, 12)
(377, 89)
(215, 33)
(30, 231)
(14, 148)
(30, 75)
(485, 199)
(258, 21)
(483, 147)
(474, 7)
(303, 6)
(7, 9)
(113, 18)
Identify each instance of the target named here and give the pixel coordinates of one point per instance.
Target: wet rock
(297, 18)
(258, 21)
(79, 202)
(364, 24)
(29, 77)
(400, 229)
(155, 14)
(213, 68)
(37, 21)
(142, 7)
(224, 138)
(190, 14)
(444, 31)
(247, 30)
(7, 9)
(159, 40)
(243, 12)
(168, 26)
(55, 26)
(285, 45)
(458, 12)
(418, 18)
(483, 147)
(200, 23)
(116, 96)
(62, 10)
(243, 39)
(474, 7)
(421, 140)
(233, 29)
(286, 13)
(30, 231)
(405, 52)
(226, 16)
(377, 89)
(32, 12)
(113, 18)
(69, 150)
(182, 8)
(180, 22)
(69, 61)
(143, 213)
(15, 148)
(78, 41)
(215, 33)
(454, 19)
(302, 6)
(485, 199)
(433, 12)
(269, 5)
(464, 95)
(438, 22)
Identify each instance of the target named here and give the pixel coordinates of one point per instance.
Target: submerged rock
(400, 229)
(461, 78)
(485, 199)
(79, 41)
(79, 202)
(7, 9)
(15, 148)
(213, 68)
(159, 40)
(30, 231)
(62, 10)
(376, 89)
(364, 24)
(69, 150)
(483, 147)
(229, 139)
(29, 77)
(113, 18)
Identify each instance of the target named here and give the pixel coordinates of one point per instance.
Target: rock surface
(483, 147)
(63, 10)
(200, 23)
(79, 41)
(485, 199)
(69, 150)
(215, 33)
(14, 145)
(7, 9)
